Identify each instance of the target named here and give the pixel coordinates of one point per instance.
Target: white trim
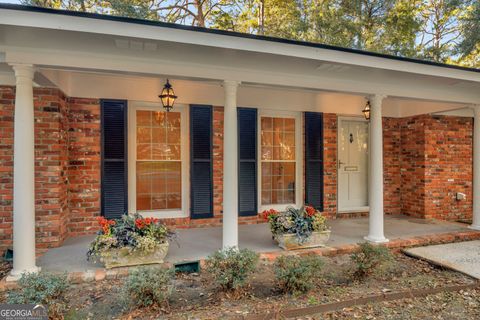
(298, 158)
(350, 209)
(352, 118)
(133, 106)
(354, 209)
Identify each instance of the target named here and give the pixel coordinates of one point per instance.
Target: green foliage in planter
(369, 258)
(148, 286)
(231, 267)
(133, 232)
(301, 222)
(41, 288)
(297, 274)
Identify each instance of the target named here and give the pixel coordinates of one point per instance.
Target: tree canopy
(438, 30)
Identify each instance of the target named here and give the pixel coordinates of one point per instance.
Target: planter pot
(124, 257)
(290, 241)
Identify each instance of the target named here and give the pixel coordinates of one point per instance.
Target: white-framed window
(158, 160)
(280, 159)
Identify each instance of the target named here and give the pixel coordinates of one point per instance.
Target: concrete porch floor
(198, 243)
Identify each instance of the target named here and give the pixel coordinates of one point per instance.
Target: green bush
(41, 288)
(297, 274)
(369, 258)
(231, 267)
(148, 286)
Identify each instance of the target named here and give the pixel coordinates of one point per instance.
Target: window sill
(163, 214)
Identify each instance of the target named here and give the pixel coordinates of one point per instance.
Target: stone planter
(290, 241)
(123, 257)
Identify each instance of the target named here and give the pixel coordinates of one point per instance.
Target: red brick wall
(436, 164)
(448, 167)
(391, 166)
(413, 165)
(83, 165)
(7, 96)
(51, 159)
(330, 164)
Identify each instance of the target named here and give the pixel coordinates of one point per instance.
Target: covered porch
(197, 244)
(89, 59)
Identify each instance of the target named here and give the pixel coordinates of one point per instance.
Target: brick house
(259, 123)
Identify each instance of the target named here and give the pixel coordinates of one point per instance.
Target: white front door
(352, 164)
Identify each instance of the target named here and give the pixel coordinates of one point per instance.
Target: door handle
(340, 163)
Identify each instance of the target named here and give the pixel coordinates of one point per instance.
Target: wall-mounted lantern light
(366, 110)
(168, 96)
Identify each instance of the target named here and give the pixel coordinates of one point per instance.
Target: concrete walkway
(198, 243)
(462, 256)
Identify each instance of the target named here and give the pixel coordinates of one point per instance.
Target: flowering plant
(132, 232)
(301, 222)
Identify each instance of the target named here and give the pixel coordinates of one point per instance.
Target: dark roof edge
(12, 6)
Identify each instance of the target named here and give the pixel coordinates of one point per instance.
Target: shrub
(231, 267)
(42, 288)
(369, 258)
(297, 274)
(148, 286)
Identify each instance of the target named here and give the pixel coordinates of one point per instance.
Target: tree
(75, 5)
(328, 24)
(402, 24)
(278, 18)
(194, 12)
(440, 31)
(470, 29)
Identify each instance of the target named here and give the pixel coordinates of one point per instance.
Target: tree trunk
(261, 17)
(200, 15)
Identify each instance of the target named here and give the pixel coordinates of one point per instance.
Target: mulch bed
(462, 305)
(196, 297)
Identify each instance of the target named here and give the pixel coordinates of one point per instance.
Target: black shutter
(201, 161)
(314, 159)
(114, 192)
(247, 161)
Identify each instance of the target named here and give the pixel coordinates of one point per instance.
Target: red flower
(267, 213)
(310, 211)
(140, 223)
(144, 222)
(105, 224)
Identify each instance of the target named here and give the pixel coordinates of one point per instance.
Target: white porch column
(230, 166)
(375, 177)
(23, 173)
(476, 168)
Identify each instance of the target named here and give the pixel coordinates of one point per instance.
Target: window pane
(159, 185)
(144, 118)
(267, 124)
(144, 135)
(159, 179)
(173, 119)
(144, 151)
(278, 160)
(159, 134)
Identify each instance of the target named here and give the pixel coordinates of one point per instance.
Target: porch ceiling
(80, 43)
(135, 87)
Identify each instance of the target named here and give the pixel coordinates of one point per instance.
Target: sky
(10, 1)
